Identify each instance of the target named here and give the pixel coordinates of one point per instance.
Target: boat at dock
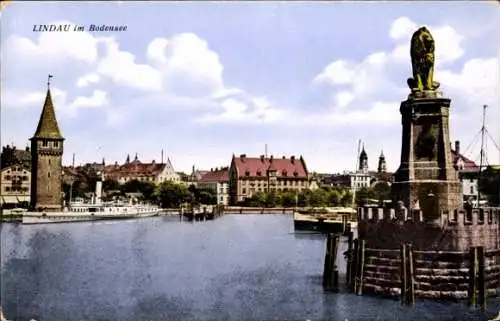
(327, 220)
(91, 212)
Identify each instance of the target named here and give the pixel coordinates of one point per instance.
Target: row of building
(244, 176)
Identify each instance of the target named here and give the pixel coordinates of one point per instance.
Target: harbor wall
(434, 275)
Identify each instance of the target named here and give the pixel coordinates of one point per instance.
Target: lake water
(237, 267)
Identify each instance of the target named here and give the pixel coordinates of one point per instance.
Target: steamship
(80, 211)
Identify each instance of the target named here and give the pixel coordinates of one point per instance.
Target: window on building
(472, 189)
(243, 191)
(48, 174)
(45, 143)
(7, 188)
(56, 144)
(247, 173)
(7, 177)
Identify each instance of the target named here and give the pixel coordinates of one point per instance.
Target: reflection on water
(238, 267)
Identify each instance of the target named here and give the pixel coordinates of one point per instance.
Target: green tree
(334, 197)
(257, 200)
(363, 195)
(318, 198)
(304, 197)
(146, 188)
(110, 185)
(288, 198)
(346, 199)
(272, 199)
(207, 197)
(381, 191)
(170, 194)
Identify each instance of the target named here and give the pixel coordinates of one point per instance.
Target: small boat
(328, 220)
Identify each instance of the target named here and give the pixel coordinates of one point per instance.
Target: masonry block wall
(385, 228)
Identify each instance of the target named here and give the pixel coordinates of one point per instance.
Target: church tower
(363, 161)
(382, 166)
(46, 160)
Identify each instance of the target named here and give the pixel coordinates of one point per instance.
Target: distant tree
(381, 191)
(288, 198)
(207, 197)
(363, 195)
(334, 197)
(318, 198)
(170, 194)
(304, 198)
(146, 188)
(110, 185)
(272, 199)
(346, 199)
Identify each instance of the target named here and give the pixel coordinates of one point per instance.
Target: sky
(204, 81)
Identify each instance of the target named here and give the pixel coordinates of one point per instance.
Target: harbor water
(237, 267)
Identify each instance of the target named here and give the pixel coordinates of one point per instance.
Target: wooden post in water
(482, 291)
(330, 272)
(404, 284)
(354, 267)
(473, 272)
(349, 258)
(410, 279)
(361, 267)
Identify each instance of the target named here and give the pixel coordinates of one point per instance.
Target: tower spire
(47, 125)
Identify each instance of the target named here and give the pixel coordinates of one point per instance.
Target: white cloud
(87, 79)
(98, 99)
(478, 82)
(179, 71)
(362, 84)
(121, 67)
(402, 28)
(344, 98)
(55, 45)
(339, 72)
(381, 113)
(254, 110)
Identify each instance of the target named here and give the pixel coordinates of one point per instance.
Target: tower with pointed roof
(46, 166)
(363, 161)
(382, 165)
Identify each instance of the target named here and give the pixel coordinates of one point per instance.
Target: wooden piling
(473, 272)
(410, 276)
(482, 290)
(330, 272)
(404, 284)
(360, 267)
(354, 266)
(349, 258)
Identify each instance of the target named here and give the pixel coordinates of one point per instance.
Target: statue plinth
(427, 175)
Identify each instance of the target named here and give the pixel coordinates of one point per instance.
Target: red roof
(221, 175)
(468, 165)
(134, 169)
(258, 166)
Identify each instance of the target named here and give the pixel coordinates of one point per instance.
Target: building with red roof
(137, 170)
(249, 175)
(216, 180)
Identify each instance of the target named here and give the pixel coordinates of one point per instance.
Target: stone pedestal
(427, 178)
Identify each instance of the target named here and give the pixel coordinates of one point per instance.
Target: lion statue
(422, 61)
